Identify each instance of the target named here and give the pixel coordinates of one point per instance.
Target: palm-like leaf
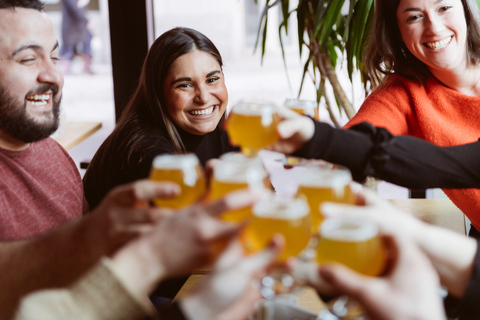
(324, 30)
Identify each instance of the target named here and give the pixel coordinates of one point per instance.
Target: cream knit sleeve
(99, 295)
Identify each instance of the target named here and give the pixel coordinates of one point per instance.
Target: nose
(434, 24)
(50, 73)
(202, 94)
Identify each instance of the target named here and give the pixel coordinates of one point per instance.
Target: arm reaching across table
(372, 151)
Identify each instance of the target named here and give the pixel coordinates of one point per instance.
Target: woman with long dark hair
(178, 106)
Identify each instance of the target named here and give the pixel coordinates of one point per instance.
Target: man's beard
(15, 121)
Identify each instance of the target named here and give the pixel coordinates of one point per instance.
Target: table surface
(440, 212)
(72, 133)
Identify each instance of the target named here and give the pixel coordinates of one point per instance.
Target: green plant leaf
(348, 19)
(301, 11)
(333, 54)
(283, 55)
(320, 9)
(285, 5)
(305, 70)
(357, 37)
(324, 27)
(264, 35)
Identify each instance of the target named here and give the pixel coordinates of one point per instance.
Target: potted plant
(331, 34)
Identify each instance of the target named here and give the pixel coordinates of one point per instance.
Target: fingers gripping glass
(274, 215)
(253, 126)
(184, 170)
(355, 243)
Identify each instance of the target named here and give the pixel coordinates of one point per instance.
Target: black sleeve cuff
(360, 148)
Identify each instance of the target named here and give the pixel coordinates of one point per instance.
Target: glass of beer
(287, 216)
(253, 126)
(303, 107)
(355, 243)
(184, 170)
(234, 172)
(325, 182)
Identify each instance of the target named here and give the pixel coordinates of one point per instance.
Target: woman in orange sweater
(429, 60)
(424, 56)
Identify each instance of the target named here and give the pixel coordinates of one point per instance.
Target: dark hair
(145, 121)
(386, 53)
(146, 111)
(27, 4)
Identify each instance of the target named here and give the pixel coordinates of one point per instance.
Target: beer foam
(348, 229)
(300, 104)
(240, 169)
(254, 109)
(175, 161)
(281, 208)
(325, 178)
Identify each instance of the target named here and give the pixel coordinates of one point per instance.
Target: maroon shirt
(40, 189)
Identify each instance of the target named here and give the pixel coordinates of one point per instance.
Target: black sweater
(98, 180)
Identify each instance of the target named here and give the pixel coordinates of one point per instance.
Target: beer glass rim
(239, 168)
(281, 208)
(317, 176)
(175, 161)
(348, 229)
(300, 104)
(253, 107)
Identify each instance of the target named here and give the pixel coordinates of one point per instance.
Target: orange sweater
(432, 112)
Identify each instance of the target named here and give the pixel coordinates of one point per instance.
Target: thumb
(263, 259)
(143, 190)
(287, 128)
(345, 281)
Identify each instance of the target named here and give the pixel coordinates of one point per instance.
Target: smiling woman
(178, 107)
(424, 54)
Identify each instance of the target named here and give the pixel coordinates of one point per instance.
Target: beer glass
(303, 107)
(183, 169)
(325, 182)
(287, 216)
(253, 126)
(237, 171)
(355, 243)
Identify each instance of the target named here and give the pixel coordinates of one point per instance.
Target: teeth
(39, 103)
(203, 112)
(439, 44)
(39, 99)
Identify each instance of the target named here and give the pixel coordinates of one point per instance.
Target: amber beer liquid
(354, 243)
(234, 172)
(253, 126)
(185, 170)
(303, 107)
(288, 217)
(322, 184)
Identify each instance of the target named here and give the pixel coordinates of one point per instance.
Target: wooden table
(71, 134)
(441, 212)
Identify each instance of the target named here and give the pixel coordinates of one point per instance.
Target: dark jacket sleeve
(403, 160)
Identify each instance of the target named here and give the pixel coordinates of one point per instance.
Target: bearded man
(41, 187)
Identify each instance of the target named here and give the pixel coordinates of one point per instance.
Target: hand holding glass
(183, 169)
(237, 171)
(303, 107)
(321, 183)
(253, 126)
(355, 243)
(287, 216)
